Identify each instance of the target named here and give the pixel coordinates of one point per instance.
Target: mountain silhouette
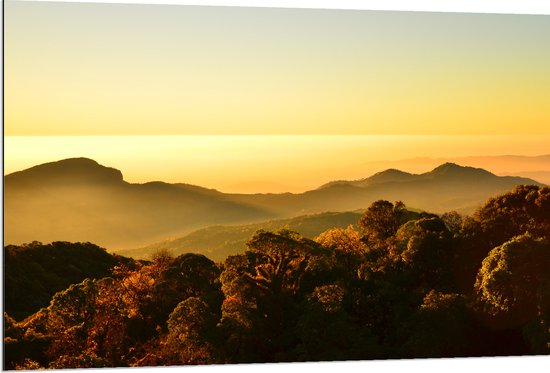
(78, 199)
(445, 172)
(447, 187)
(67, 172)
(390, 175)
(452, 170)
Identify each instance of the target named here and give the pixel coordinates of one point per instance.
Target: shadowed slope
(79, 200)
(218, 242)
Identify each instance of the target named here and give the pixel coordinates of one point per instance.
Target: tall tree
(261, 289)
(513, 283)
(524, 209)
(425, 246)
(382, 220)
(192, 333)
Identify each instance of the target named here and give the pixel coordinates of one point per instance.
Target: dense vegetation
(407, 285)
(34, 272)
(217, 242)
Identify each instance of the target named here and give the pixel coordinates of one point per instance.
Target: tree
(192, 333)
(440, 327)
(70, 320)
(346, 241)
(279, 259)
(513, 284)
(381, 221)
(326, 331)
(453, 221)
(88, 323)
(524, 209)
(262, 289)
(425, 247)
(241, 323)
(189, 275)
(162, 258)
(54, 267)
(346, 255)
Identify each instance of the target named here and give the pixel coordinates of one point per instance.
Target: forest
(397, 284)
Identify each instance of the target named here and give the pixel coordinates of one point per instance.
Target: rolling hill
(79, 200)
(218, 242)
(534, 167)
(447, 187)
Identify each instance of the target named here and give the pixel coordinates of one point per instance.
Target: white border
(503, 364)
(464, 6)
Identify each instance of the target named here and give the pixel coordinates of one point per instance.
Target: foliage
(220, 241)
(192, 333)
(261, 290)
(381, 221)
(400, 287)
(423, 245)
(453, 220)
(514, 279)
(440, 327)
(524, 209)
(189, 275)
(35, 272)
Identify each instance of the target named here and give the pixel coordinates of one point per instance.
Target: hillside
(33, 273)
(79, 200)
(447, 187)
(416, 290)
(534, 167)
(447, 172)
(218, 242)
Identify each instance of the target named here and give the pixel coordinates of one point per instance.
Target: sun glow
(251, 164)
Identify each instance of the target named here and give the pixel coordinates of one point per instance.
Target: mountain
(541, 176)
(445, 172)
(447, 187)
(80, 200)
(389, 175)
(534, 167)
(73, 172)
(218, 242)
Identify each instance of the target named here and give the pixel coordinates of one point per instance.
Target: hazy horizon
(269, 99)
(253, 164)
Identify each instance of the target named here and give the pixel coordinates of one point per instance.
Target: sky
(275, 84)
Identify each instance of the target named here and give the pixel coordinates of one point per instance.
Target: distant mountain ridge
(535, 167)
(67, 171)
(78, 199)
(449, 171)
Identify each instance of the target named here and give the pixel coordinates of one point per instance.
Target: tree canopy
(400, 284)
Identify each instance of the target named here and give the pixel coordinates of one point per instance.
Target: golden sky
(113, 69)
(275, 163)
(264, 99)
